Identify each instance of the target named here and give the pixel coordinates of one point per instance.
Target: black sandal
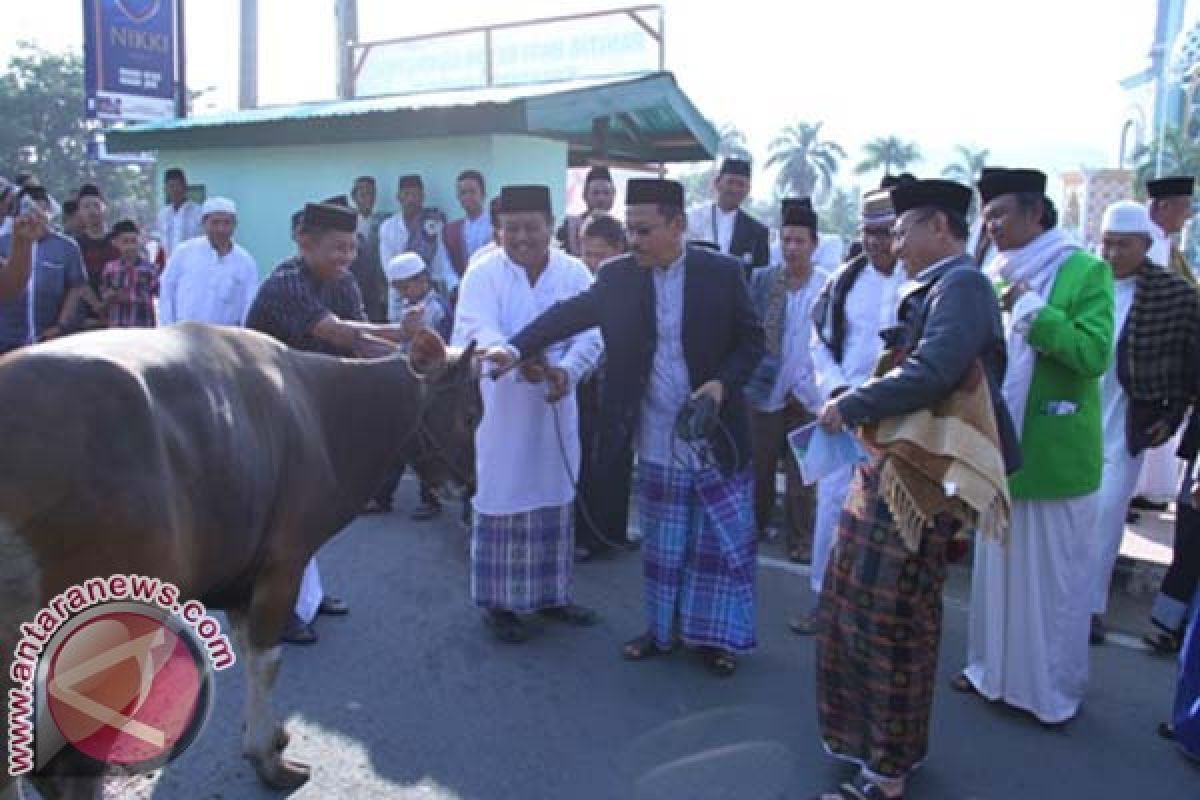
(642, 647)
(721, 663)
(507, 627)
(1166, 731)
(1162, 642)
(804, 624)
(867, 791)
(571, 614)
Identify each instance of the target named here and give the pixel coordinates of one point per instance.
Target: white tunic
(707, 223)
(1120, 468)
(796, 371)
(520, 449)
(200, 285)
(177, 225)
(871, 306)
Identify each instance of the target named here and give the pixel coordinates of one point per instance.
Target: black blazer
(722, 340)
(948, 319)
(751, 243)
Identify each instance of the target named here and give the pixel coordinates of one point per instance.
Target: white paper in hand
(819, 453)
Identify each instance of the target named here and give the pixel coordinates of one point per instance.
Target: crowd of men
(663, 359)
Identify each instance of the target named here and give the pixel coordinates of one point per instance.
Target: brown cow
(216, 459)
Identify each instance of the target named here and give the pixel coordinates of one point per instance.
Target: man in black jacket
(681, 340)
(725, 224)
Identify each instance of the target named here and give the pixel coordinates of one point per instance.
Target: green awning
(644, 119)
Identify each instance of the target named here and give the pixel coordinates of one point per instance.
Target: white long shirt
(393, 240)
(520, 448)
(1160, 248)
(177, 225)
(797, 373)
(870, 307)
(1111, 394)
(200, 285)
(708, 223)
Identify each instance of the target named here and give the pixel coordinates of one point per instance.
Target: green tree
(888, 153)
(968, 167)
(841, 214)
(1180, 156)
(807, 163)
(43, 130)
(698, 183)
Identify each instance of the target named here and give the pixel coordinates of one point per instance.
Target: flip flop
(961, 683)
(571, 614)
(507, 627)
(642, 647)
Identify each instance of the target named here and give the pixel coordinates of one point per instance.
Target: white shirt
(1111, 394)
(393, 240)
(177, 225)
(796, 370)
(710, 224)
(200, 285)
(523, 441)
(1160, 249)
(871, 306)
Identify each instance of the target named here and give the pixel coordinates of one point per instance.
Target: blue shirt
(58, 268)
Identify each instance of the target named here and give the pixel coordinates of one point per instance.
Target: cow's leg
(256, 634)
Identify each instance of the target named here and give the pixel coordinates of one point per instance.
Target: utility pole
(248, 55)
(181, 91)
(346, 12)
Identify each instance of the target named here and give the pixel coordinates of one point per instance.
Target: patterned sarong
(880, 618)
(523, 562)
(698, 556)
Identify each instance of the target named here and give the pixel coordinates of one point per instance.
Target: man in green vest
(1030, 604)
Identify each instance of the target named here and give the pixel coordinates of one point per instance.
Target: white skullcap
(1127, 217)
(405, 266)
(218, 205)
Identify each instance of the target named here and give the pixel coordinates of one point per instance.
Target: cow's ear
(427, 351)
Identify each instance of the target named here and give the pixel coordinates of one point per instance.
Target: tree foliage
(1180, 156)
(43, 130)
(807, 163)
(888, 153)
(969, 165)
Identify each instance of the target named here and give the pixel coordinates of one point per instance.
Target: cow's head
(451, 407)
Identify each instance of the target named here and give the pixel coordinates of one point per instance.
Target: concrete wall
(269, 183)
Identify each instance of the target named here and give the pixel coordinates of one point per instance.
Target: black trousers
(392, 480)
(605, 478)
(1183, 576)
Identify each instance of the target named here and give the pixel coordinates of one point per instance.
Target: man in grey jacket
(880, 607)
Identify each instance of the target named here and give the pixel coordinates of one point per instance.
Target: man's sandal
(864, 791)
(571, 614)
(721, 663)
(1163, 643)
(961, 683)
(642, 647)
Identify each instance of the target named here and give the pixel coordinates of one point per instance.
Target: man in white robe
(527, 445)
(858, 301)
(1029, 615)
(210, 278)
(724, 223)
(1158, 313)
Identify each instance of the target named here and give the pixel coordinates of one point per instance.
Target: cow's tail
(19, 581)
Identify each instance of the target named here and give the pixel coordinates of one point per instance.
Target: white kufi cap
(218, 205)
(405, 266)
(1127, 217)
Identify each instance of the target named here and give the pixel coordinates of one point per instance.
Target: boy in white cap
(210, 278)
(412, 296)
(1147, 389)
(415, 304)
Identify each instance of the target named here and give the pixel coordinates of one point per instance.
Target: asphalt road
(409, 697)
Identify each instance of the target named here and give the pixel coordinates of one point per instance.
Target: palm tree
(1180, 156)
(888, 153)
(841, 215)
(969, 166)
(806, 163)
(732, 143)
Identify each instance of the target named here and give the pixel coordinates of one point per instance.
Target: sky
(1034, 81)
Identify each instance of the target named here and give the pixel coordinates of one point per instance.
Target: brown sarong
(880, 616)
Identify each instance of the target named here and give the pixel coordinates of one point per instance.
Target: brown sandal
(721, 663)
(961, 683)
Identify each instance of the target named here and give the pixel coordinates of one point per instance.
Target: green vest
(1062, 434)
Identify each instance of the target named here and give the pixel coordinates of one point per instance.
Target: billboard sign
(129, 59)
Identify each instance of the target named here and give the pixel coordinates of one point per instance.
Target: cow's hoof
(280, 740)
(281, 773)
